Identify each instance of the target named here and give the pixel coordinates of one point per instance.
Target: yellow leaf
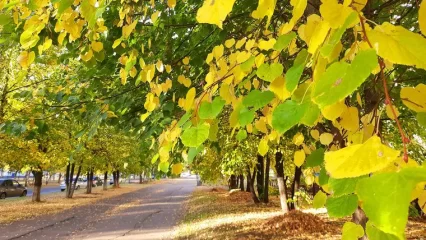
(358, 99)
(168, 68)
(240, 43)
(326, 138)
(243, 56)
(278, 87)
(390, 113)
(249, 128)
(298, 139)
(414, 98)
(214, 11)
(171, 3)
(299, 157)
(359, 159)
(177, 168)
(315, 134)
(145, 116)
(318, 36)
(61, 37)
(334, 13)
(350, 119)
(422, 200)
(127, 30)
(225, 93)
(123, 76)
(229, 43)
(407, 47)
(266, 45)
(155, 16)
(261, 125)
(149, 102)
(189, 101)
(25, 59)
(299, 7)
(264, 8)
(259, 60)
(263, 147)
(334, 111)
(87, 56)
(116, 43)
(185, 61)
(422, 17)
(47, 43)
(97, 46)
(218, 51)
(159, 66)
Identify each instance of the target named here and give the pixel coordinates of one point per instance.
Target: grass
(14, 209)
(213, 213)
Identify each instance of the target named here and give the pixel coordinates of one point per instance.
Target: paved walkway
(148, 213)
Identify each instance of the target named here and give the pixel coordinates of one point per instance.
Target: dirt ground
(214, 213)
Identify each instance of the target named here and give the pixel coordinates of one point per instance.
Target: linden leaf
(127, 30)
(97, 46)
(298, 139)
(284, 40)
(164, 166)
(268, 72)
(341, 206)
(407, 47)
(316, 158)
(266, 45)
(264, 8)
(241, 135)
(185, 61)
(229, 43)
(171, 3)
(350, 119)
(414, 98)
(177, 168)
(334, 13)
(25, 59)
(263, 147)
(258, 99)
(326, 138)
(299, 157)
(319, 199)
(211, 110)
(288, 114)
(293, 74)
(278, 87)
(214, 11)
(189, 100)
(342, 79)
(422, 17)
(331, 112)
(352, 231)
(195, 136)
(389, 111)
(315, 134)
(421, 118)
(359, 159)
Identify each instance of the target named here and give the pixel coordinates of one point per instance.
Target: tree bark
(118, 178)
(250, 183)
(60, 176)
(70, 186)
(266, 184)
(233, 182)
(279, 167)
(242, 182)
(105, 185)
(27, 176)
(38, 181)
(114, 179)
(75, 181)
(295, 187)
(360, 218)
(260, 176)
(89, 181)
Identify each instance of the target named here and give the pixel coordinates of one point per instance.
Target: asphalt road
(148, 213)
(44, 190)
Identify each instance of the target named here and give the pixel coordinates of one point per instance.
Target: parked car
(11, 188)
(80, 184)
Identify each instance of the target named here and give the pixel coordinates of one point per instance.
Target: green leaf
(283, 41)
(5, 19)
(184, 119)
(155, 158)
(211, 110)
(247, 65)
(258, 99)
(323, 177)
(164, 166)
(352, 231)
(342, 206)
(64, 5)
(287, 114)
(342, 79)
(319, 199)
(374, 233)
(335, 37)
(193, 152)
(268, 72)
(241, 135)
(386, 198)
(316, 158)
(343, 186)
(293, 75)
(246, 116)
(421, 118)
(311, 115)
(195, 136)
(88, 12)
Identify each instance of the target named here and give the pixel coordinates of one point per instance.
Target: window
(8, 183)
(15, 184)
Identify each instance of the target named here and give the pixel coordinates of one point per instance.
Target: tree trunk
(118, 178)
(233, 182)
(360, 218)
(38, 181)
(67, 179)
(242, 182)
(70, 176)
(279, 167)
(27, 176)
(114, 179)
(59, 179)
(266, 184)
(295, 187)
(250, 183)
(140, 178)
(105, 186)
(260, 176)
(89, 181)
(75, 181)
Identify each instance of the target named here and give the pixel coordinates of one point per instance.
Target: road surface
(44, 190)
(148, 213)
